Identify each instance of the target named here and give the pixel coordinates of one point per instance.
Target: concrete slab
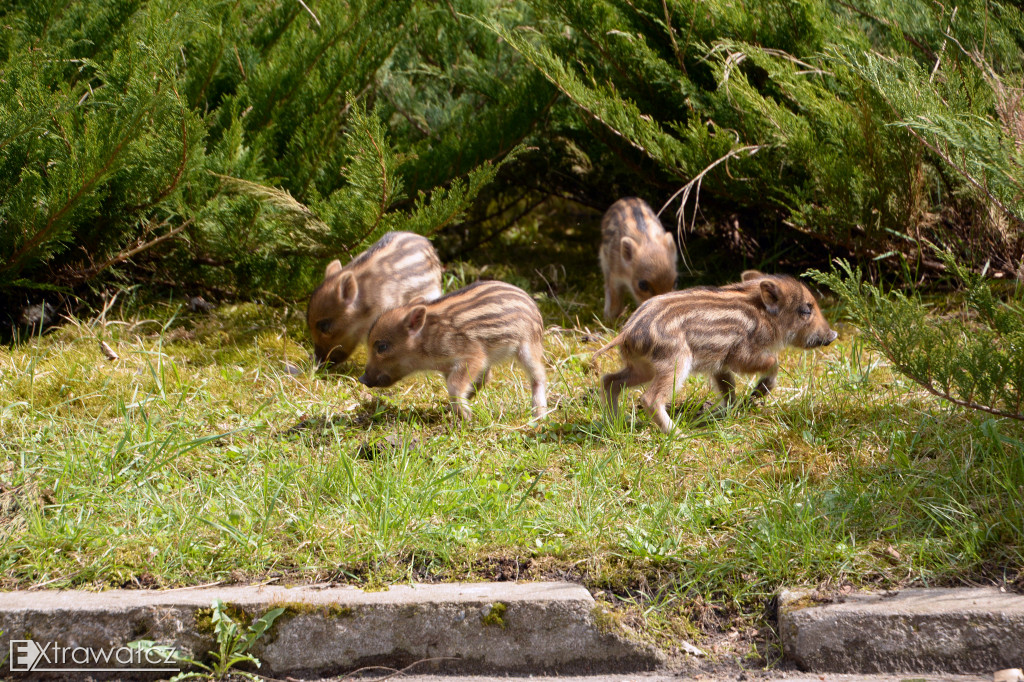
(970, 630)
(731, 676)
(504, 628)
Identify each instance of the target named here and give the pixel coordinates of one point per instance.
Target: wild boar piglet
(398, 268)
(637, 255)
(461, 335)
(715, 331)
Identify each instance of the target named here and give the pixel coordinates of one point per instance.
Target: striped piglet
(461, 335)
(715, 331)
(638, 256)
(398, 268)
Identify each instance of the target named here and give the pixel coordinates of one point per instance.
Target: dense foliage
(236, 144)
(240, 144)
(970, 355)
(805, 129)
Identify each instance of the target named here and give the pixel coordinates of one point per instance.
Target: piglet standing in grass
(715, 331)
(637, 255)
(398, 268)
(461, 335)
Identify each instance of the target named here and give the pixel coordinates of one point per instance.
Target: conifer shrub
(970, 355)
(240, 146)
(815, 127)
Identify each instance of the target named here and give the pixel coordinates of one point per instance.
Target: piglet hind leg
(668, 381)
(531, 357)
(724, 382)
(612, 384)
(480, 382)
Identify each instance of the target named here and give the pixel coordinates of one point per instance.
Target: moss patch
(606, 620)
(496, 616)
(292, 609)
(204, 618)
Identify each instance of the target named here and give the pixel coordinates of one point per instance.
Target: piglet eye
(381, 346)
(323, 326)
(806, 310)
(643, 285)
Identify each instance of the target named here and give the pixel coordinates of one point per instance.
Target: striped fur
(715, 331)
(461, 335)
(399, 267)
(637, 255)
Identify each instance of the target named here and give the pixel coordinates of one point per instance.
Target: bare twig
(672, 36)
(92, 271)
(693, 187)
(306, 7)
(942, 50)
(393, 671)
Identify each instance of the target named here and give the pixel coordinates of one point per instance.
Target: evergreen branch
(966, 174)
(926, 385)
(90, 272)
(162, 194)
(888, 24)
(599, 106)
(328, 144)
(382, 160)
(503, 226)
(15, 260)
(280, 199)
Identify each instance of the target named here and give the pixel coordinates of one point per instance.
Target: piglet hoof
(461, 414)
(720, 410)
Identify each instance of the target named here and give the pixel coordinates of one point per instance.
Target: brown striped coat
(399, 267)
(461, 335)
(715, 331)
(637, 255)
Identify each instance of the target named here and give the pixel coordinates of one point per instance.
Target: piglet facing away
(398, 268)
(637, 255)
(715, 331)
(461, 335)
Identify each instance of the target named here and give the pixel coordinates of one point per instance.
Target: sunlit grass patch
(213, 450)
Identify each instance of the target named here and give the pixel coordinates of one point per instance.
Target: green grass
(213, 450)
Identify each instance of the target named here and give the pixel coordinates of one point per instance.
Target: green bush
(971, 356)
(241, 145)
(805, 124)
(236, 145)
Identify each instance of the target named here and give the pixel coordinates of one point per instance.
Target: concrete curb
(970, 630)
(506, 628)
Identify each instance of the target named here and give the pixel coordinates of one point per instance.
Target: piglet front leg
(769, 369)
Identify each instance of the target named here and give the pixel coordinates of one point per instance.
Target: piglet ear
(770, 296)
(333, 268)
(628, 247)
(414, 319)
(750, 274)
(348, 288)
